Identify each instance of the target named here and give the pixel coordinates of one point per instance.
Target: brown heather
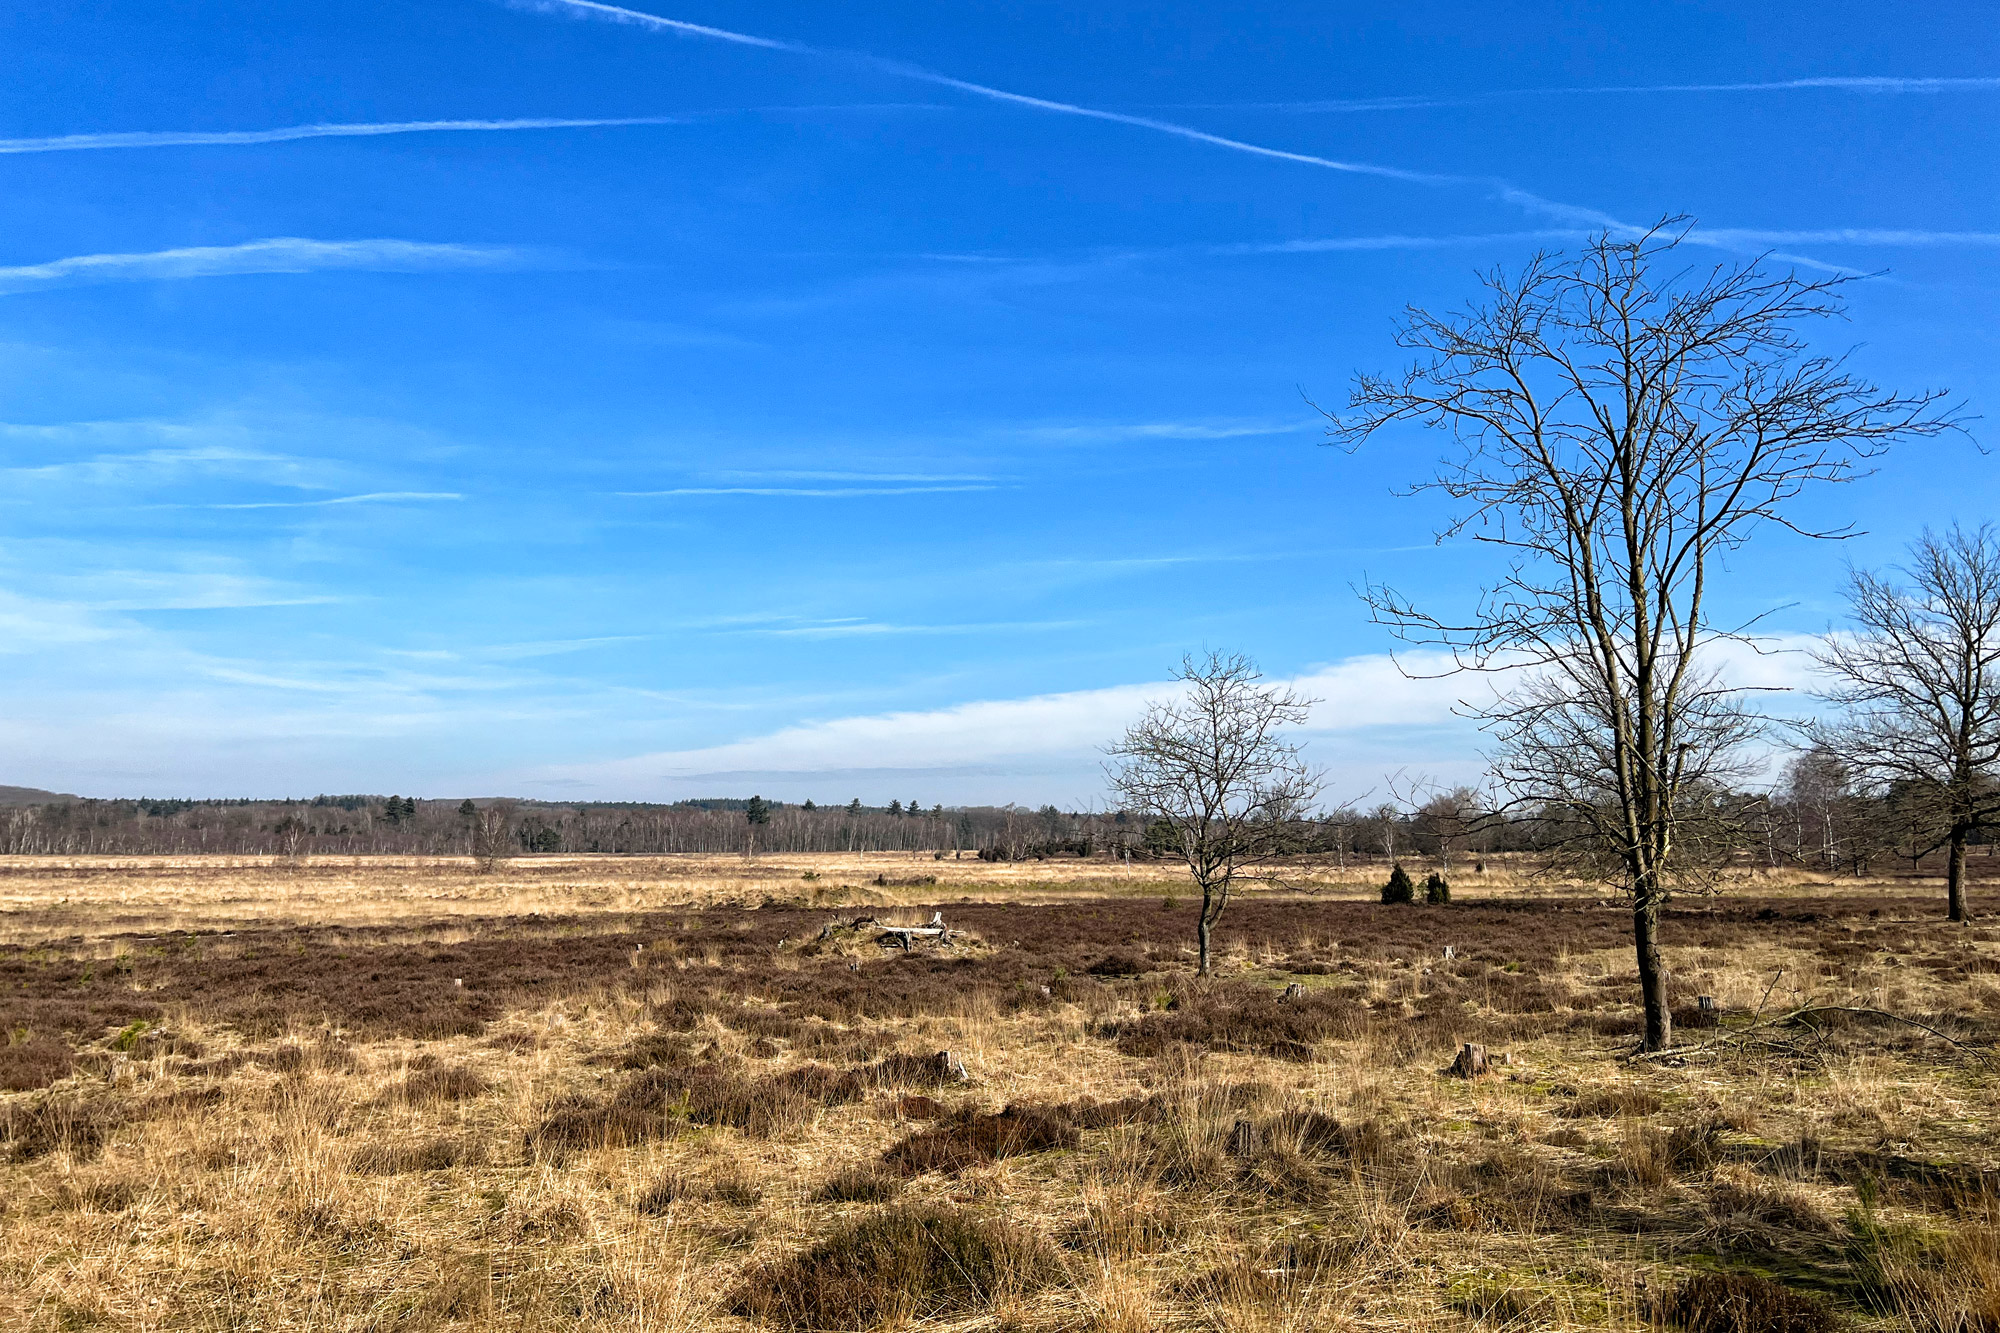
(644, 1094)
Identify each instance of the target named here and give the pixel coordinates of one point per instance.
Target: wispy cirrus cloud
(1500, 189)
(1860, 83)
(1885, 236)
(856, 628)
(75, 143)
(369, 497)
(280, 254)
(1161, 430)
(370, 129)
(807, 492)
(780, 474)
(1853, 83)
(592, 9)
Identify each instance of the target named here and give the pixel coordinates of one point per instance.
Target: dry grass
(422, 1107)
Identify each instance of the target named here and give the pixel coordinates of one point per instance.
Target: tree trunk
(1201, 934)
(1652, 975)
(1954, 877)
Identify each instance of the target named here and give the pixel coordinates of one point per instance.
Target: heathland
(705, 1092)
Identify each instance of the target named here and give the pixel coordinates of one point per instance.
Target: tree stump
(950, 1068)
(1243, 1139)
(1705, 1003)
(1450, 952)
(1471, 1061)
(1295, 991)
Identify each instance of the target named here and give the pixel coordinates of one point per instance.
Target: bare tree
(1817, 788)
(1211, 765)
(1449, 819)
(1922, 681)
(1622, 421)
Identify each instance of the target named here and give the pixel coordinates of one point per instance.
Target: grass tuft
(899, 1264)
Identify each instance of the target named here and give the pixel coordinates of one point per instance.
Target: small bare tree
(1623, 421)
(1211, 765)
(1922, 681)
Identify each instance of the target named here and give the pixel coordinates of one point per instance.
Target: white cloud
(280, 254)
(70, 143)
(1163, 430)
(807, 492)
(1376, 715)
(371, 497)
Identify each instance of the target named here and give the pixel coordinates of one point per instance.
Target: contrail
(1845, 236)
(279, 254)
(372, 497)
(618, 14)
(1871, 83)
(814, 492)
(70, 143)
(1506, 192)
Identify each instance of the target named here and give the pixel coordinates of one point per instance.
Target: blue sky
(848, 400)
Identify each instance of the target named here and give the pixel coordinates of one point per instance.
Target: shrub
(859, 1184)
(1243, 1019)
(971, 1139)
(34, 1062)
(443, 1083)
(1741, 1303)
(1400, 888)
(1622, 1099)
(1118, 964)
(29, 1131)
(898, 1264)
(1437, 889)
(669, 1189)
(387, 1159)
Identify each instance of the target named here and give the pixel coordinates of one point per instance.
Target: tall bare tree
(1623, 418)
(1817, 791)
(1213, 767)
(1922, 681)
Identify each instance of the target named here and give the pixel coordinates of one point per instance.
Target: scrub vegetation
(605, 1093)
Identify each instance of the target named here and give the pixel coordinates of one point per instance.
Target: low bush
(1437, 889)
(34, 1062)
(972, 1139)
(32, 1130)
(859, 1184)
(1608, 1103)
(439, 1082)
(1118, 964)
(1244, 1019)
(1741, 1303)
(1400, 888)
(901, 1264)
(397, 1159)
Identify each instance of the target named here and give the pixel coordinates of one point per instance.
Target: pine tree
(1437, 889)
(1400, 888)
(895, 807)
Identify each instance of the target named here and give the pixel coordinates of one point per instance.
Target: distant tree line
(1821, 816)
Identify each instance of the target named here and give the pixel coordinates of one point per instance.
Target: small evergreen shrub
(1437, 889)
(1400, 888)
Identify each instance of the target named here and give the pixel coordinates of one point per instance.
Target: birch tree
(1212, 766)
(1622, 418)
(1922, 682)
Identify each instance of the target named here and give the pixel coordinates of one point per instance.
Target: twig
(1802, 1016)
(1767, 996)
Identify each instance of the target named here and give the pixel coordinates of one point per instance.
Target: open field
(659, 1094)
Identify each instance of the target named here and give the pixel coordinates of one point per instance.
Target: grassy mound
(898, 1264)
